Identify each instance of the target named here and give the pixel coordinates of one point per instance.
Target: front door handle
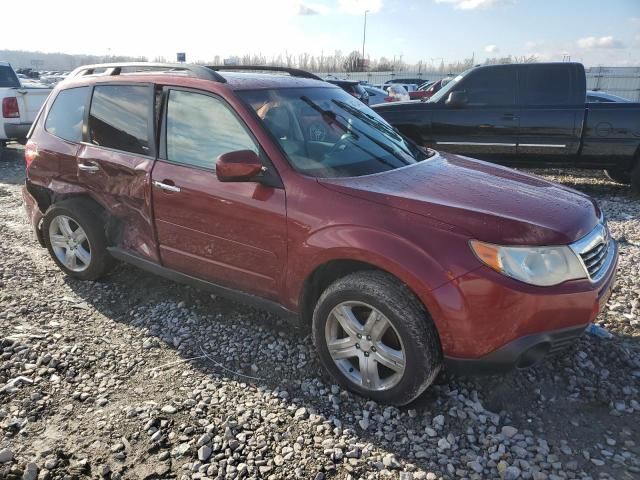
(509, 116)
(166, 186)
(88, 167)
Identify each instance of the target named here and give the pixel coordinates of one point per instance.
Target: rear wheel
(619, 175)
(375, 338)
(76, 239)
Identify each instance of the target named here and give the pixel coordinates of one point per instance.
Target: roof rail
(294, 72)
(197, 71)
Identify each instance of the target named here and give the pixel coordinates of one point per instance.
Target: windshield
(444, 91)
(325, 132)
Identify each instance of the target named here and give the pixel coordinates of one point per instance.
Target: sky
(594, 32)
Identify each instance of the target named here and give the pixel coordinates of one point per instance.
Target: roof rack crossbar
(294, 72)
(197, 71)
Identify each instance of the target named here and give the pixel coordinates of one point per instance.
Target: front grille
(595, 251)
(594, 258)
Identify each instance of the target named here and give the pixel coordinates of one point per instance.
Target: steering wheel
(340, 145)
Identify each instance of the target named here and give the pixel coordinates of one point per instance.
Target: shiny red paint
(414, 223)
(242, 165)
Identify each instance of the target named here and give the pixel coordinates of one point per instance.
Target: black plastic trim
(522, 352)
(294, 72)
(242, 297)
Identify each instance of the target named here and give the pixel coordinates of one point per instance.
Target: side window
(67, 114)
(490, 86)
(200, 128)
(547, 85)
(119, 117)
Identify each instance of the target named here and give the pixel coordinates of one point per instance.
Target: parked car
(426, 91)
(400, 259)
(397, 93)
(20, 104)
(526, 115)
(603, 97)
(412, 81)
(376, 95)
(353, 88)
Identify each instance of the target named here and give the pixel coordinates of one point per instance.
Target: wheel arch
(46, 198)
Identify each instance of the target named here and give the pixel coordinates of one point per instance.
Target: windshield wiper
(327, 116)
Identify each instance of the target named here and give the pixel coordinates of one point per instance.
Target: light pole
(364, 35)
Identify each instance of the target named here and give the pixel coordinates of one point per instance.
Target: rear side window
(119, 117)
(8, 78)
(200, 128)
(547, 85)
(67, 114)
(490, 86)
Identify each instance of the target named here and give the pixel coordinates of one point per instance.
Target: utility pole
(364, 34)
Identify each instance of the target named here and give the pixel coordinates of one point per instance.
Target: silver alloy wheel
(69, 243)
(365, 346)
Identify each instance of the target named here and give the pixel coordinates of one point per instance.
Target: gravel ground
(137, 377)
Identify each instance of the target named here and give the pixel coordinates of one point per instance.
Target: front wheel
(76, 239)
(375, 338)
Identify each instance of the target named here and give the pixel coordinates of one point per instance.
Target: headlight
(542, 266)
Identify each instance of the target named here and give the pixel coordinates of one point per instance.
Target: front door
(230, 233)
(486, 124)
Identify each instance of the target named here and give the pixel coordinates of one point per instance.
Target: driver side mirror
(238, 166)
(457, 99)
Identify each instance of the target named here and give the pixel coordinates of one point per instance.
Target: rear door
(229, 233)
(487, 124)
(115, 160)
(551, 112)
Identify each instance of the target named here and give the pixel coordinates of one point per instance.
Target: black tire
(618, 175)
(411, 322)
(635, 178)
(87, 216)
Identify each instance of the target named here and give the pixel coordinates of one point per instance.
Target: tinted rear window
(8, 78)
(67, 114)
(547, 85)
(119, 117)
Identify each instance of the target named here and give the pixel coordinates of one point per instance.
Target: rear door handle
(88, 167)
(509, 116)
(166, 186)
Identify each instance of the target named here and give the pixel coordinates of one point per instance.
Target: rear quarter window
(119, 117)
(67, 114)
(8, 78)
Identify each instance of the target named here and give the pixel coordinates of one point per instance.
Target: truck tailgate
(30, 99)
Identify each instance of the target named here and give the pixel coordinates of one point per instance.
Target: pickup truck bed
(19, 105)
(532, 115)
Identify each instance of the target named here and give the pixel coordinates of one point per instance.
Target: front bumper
(490, 323)
(520, 353)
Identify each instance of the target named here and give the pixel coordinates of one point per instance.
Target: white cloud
(635, 20)
(473, 4)
(307, 8)
(491, 49)
(599, 42)
(358, 7)
(532, 45)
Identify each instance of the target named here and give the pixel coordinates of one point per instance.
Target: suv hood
(489, 202)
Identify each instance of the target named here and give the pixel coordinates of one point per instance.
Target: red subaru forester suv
(283, 190)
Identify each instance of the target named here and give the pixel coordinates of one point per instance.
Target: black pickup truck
(532, 115)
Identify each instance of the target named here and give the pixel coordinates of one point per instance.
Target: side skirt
(241, 297)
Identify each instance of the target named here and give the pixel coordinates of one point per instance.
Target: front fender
(415, 265)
